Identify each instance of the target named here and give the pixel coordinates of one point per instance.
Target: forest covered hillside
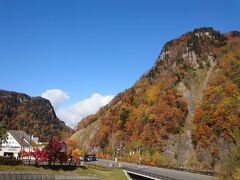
(183, 112)
(34, 115)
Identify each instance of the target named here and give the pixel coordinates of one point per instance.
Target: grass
(72, 171)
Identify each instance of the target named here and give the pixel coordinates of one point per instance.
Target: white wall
(10, 141)
(11, 146)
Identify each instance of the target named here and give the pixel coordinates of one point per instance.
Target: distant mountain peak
(34, 115)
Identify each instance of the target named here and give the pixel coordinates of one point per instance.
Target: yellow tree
(76, 154)
(71, 144)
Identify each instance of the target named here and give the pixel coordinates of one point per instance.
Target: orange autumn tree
(71, 145)
(76, 153)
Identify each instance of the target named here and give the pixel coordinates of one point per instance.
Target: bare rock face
(34, 115)
(85, 135)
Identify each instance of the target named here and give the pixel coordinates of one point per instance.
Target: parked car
(89, 157)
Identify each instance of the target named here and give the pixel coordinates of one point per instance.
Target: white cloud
(56, 97)
(72, 114)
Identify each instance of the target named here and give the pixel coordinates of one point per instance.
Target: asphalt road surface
(174, 174)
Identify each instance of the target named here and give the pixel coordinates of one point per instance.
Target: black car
(89, 157)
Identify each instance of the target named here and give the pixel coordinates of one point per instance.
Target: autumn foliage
(217, 115)
(71, 145)
(156, 113)
(76, 154)
(145, 115)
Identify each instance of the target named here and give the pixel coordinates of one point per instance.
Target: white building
(15, 142)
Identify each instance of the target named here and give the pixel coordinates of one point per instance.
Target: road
(174, 174)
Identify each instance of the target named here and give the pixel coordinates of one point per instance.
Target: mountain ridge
(158, 113)
(32, 114)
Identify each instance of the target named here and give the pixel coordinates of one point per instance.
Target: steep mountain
(34, 115)
(182, 112)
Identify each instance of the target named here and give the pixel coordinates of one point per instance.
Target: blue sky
(85, 47)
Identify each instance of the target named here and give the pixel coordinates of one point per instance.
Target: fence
(13, 175)
(10, 175)
(204, 172)
(99, 167)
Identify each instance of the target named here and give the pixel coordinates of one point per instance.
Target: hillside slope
(159, 115)
(32, 114)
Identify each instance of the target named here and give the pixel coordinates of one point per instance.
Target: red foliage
(203, 134)
(40, 154)
(54, 150)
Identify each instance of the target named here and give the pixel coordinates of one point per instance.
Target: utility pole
(139, 156)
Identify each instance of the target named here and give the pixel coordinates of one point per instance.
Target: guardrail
(203, 172)
(99, 167)
(130, 170)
